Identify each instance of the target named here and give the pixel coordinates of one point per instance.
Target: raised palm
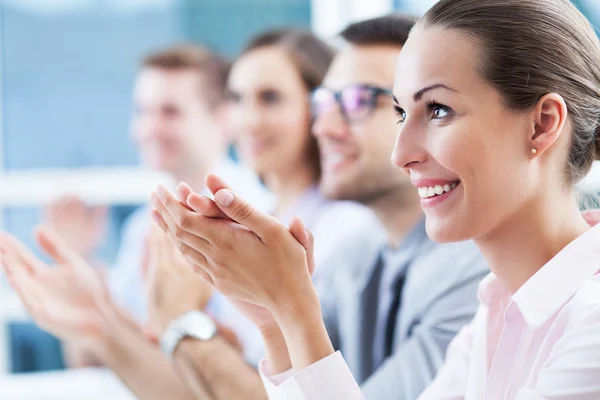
(68, 299)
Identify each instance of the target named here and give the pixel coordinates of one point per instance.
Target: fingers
(214, 183)
(239, 210)
(180, 223)
(306, 239)
(189, 227)
(159, 220)
(311, 253)
(20, 278)
(203, 274)
(183, 191)
(196, 202)
(190, 252)
(53, 245)
(298, 230)
(9, 263)
(21, 254)
(205, 206)
(167, 251)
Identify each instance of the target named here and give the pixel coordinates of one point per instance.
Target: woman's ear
(550, 117)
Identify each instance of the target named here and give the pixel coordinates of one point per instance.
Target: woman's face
(467, 154)
(270, 112)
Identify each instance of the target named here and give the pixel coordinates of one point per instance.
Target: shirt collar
(554, 284)
(396, 260)
(378, 254)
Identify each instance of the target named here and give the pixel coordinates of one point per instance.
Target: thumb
(53, 245)
(243, 213)
(305, 238)
(205, 206)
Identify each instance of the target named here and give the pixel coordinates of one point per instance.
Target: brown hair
(392, 29)
(211, 68)
(311, 57)
(532, 48)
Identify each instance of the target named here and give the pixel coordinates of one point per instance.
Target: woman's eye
(270, 97)
(400, 113)
(439, 111)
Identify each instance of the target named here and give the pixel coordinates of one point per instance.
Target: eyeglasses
(356, 102)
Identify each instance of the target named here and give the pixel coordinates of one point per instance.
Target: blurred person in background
(268, 95)
(269, 90)
(271, 118)
(179, 125)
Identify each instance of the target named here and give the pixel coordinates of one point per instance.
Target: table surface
(86, 383)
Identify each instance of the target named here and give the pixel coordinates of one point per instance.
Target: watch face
(194, 324)
(198, 325)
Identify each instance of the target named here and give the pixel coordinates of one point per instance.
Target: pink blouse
(541, 343)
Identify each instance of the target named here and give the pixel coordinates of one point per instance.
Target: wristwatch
(195, 324)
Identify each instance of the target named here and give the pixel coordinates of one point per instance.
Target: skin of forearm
(215, 370)
(138, 363)
(277, 354)
(304, 331)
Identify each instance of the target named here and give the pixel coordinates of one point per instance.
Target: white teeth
(430, 191)
(334, 159)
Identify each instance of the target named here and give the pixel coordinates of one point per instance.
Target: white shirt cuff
(270, 382)
(327, 379)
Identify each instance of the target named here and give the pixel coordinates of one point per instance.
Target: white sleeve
(327, 379)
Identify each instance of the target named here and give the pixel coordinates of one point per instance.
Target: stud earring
(534, 151)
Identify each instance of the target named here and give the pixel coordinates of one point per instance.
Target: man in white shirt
(178, 126)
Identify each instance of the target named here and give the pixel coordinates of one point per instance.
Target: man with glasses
(396, 301)
(394, 317)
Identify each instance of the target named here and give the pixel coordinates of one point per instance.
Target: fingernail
(161, 193)
(224, 197)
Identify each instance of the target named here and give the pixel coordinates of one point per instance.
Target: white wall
(331, 16)
(417, 7)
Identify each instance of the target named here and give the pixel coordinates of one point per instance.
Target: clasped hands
(261, 265)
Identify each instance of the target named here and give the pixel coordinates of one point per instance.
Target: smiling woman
(497, 104)
(269, 86)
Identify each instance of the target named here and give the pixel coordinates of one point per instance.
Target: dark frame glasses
(356, 102)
